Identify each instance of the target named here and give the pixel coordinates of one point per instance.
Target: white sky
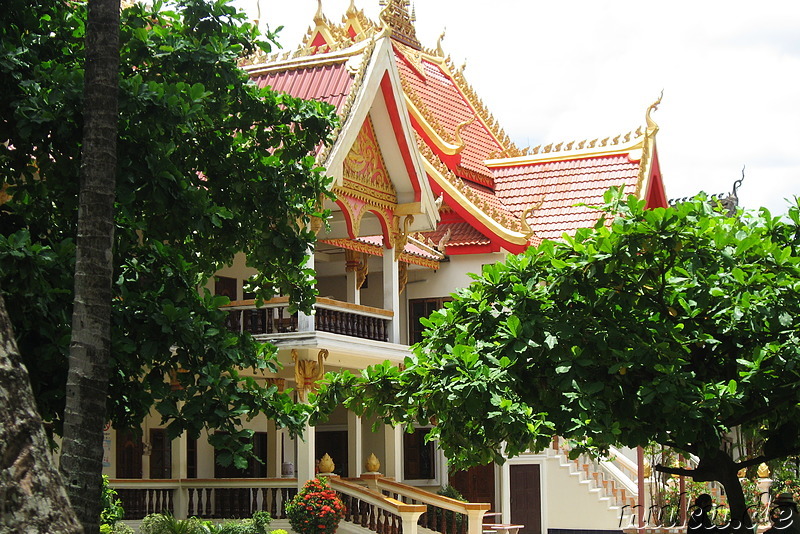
(554, 71)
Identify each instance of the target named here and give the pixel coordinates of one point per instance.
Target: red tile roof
(559, 186)
(330, 83)
(462, 234)
(448, 106)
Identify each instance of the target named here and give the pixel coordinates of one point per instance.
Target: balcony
(332, 316)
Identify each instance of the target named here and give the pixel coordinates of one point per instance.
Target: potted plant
(316, 509)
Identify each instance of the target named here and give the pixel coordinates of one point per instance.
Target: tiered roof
(495, 196)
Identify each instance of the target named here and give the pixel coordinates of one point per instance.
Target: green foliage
(117, 528)
(112, 506)
(316, 509)
(785, 476)
(671, 325)
(258, 524)
(167, 524)
(209, 165)
(446, 518)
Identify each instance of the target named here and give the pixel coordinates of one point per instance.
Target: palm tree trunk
(87, 381)
(32, 496)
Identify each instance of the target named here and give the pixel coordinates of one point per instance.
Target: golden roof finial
(351, 9)
(439, 48)
(395, 15)
(319, 18)
(652, 127)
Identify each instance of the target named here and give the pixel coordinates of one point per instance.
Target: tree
(677, 326)
(208, 166)
(81, 461)
(32, 496)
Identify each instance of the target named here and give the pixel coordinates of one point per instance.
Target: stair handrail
(473, 510)
(409, 513)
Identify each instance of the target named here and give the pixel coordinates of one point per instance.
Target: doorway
(526, 497)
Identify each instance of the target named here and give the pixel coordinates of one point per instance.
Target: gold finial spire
(319, 18)
(439, 48)
(351, 9)
(652, 127)
(395, 15)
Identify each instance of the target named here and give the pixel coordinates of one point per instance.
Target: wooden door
(526, 498)
(476, 484)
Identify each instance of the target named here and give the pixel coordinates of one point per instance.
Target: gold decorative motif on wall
(357, 262)
(278, 382)
(307, 372)
(365, 170)
(402, 275)
(400, 235)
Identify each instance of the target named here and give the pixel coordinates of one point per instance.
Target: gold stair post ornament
(372, 464)
(326, 465)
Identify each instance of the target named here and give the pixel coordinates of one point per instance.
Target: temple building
(428, 188)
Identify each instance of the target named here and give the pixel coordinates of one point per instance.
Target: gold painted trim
(648, 148)
(375, 250)
(503, 225)
(621, 144)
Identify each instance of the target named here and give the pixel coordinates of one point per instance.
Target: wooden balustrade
(206, 498)
(141, 502)
(331, 316)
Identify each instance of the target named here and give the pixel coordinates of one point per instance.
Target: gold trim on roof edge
(627, 142)
(375, 250)
(355, 88)
(648, 148)
(504, 225)
(370, 31)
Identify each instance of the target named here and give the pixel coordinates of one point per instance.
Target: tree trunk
(87, 381)
(32, 496)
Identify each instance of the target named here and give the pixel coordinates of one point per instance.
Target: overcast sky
(554, 71)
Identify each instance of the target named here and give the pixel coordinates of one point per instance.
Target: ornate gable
(364, 170)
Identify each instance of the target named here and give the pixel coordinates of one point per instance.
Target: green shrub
(112, 506)
(167, 524)
(316, 509)
(117, 528)
(258, 524)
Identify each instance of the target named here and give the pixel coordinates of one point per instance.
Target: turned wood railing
(333, 316)
(207, 498)
(374, 511)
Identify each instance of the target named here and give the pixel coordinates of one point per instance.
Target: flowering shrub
(316, 509)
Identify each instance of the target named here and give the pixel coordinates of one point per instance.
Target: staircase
(610, 492)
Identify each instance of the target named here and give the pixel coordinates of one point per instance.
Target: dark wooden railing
(332, 316)
(207, 498)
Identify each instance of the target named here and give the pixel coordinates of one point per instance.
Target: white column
(274, 449)
(305, 323)
(353, 293)
(393, 448)
(391, 293)
(305, 455)
(355, 449)
(180, 471)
